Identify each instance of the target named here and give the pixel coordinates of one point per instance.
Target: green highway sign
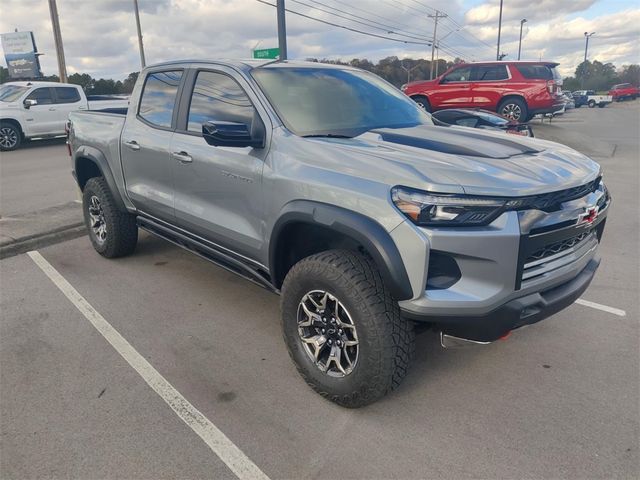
(267, 53)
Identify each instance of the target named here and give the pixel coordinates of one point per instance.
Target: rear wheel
(343, 329)
(10, 137)
(423, 102)
(113, 233)
(592, 103)
(514, 109)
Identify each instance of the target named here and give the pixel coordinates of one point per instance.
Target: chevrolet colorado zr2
(328, 186)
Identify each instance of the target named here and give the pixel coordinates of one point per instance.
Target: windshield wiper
(326, 135)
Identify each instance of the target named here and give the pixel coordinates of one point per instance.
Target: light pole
(140, 45)
(499, 30)
(587, 35)
(57, 38)
(522, 22)
(282, 30)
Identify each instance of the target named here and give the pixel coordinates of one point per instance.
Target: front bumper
(517, 313)
(520, 270)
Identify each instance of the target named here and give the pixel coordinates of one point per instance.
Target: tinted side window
(462, 74)
(467, 122)
(540, 72)
(41, 95)
(67, 95)
(159, 97)
(218, 97)
(490, 72)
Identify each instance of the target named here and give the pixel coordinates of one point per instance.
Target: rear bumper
(519, 312)
(544, 110)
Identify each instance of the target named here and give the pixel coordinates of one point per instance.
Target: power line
(396, 27)
(357, 21)
(347, 28)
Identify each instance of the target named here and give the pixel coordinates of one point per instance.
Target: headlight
(433, 209)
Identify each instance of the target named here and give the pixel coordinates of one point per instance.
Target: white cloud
(100, 35)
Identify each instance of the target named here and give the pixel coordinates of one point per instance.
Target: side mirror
(232, 134)
(29, 102)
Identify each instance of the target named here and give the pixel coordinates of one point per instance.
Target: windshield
(327, 101)
(10, 93)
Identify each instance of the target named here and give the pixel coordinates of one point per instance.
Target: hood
(457, 159)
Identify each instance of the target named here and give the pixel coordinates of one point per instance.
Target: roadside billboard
(20, 54)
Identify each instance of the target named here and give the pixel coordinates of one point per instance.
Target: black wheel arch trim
(367, 232)
(97, 157)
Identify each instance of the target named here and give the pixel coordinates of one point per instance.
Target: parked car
(325, 184)
(40, 109)
(569, 102)
(589, 98)
(624, 90)
(482, 119)
(518, 90)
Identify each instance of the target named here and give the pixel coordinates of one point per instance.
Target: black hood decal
(456, 142)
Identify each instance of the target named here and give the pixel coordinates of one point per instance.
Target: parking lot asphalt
(35, 177)
(556, 400)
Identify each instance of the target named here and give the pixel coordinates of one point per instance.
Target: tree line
(594, 75)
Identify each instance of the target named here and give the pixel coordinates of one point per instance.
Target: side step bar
(207, 252)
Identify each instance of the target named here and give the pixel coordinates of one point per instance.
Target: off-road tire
(122, 230)
(386, 340)
(512, 105)
(15, 135)
(423, 102)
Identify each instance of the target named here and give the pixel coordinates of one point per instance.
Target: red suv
(517, 90)
(624, 90)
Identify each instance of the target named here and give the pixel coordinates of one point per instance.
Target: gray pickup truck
(327, 185)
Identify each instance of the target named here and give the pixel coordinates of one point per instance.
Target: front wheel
(592, 103)
(113, 233)
(343, 329)
(514, 109)
(422, 102)
(10, 137)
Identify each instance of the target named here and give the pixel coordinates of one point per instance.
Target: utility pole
(282, 30)
(437, 15)
(522, 22)
(587, 35)
(499, 30)
(140, 45)
(57, 38)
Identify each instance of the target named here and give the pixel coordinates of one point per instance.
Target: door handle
(52, 109)
(133, 145)
(182, 157)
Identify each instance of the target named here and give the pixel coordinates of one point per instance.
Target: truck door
(41, 118)
(218, 189)
(454, 90)
(66, 100)
(145, 143)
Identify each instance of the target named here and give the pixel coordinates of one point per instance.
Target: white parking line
(604, 308)
(217, 441)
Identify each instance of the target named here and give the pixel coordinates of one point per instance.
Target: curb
(25, 244)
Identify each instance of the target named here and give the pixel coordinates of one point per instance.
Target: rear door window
(486, 73)
(67, 95)
(159, 97)
(41, 95)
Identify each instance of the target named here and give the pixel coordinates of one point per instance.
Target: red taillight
(551, 86)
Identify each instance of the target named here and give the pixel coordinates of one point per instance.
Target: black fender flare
(367, 232)
(97, 157)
